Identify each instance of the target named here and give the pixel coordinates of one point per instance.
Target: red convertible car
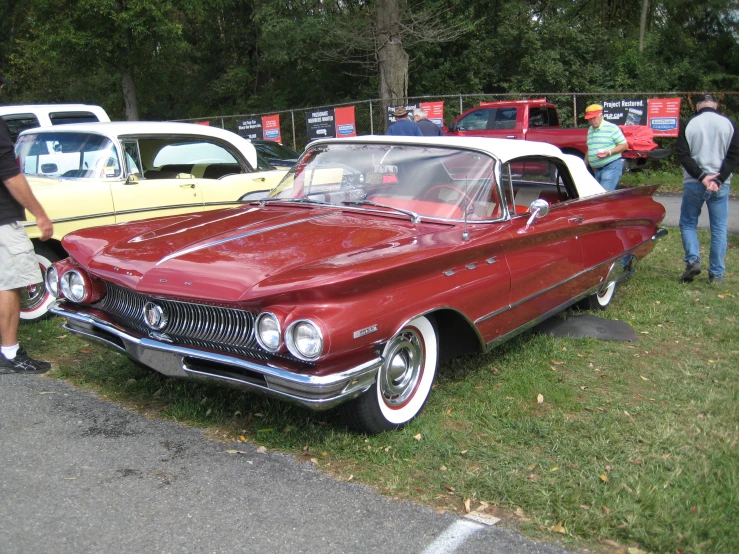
(375, 259)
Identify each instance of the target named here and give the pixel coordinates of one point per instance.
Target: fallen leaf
(635, 550)
(324, 453)
(418, 436)
(533, 477)
(62, 337)
(235, 452)
(583, 387)
(610, 543)
(559, 528)
(694, 509)
(666, 455)
(350, 477)
(636, 461)
(494, 370)
(467, 507)
(449, 488)
(85, 350)
(540, 398)
(584, 506)
(314, 461)
(643, 378)
(555, 468)
(645, 332)
(557, 362)
(606, 509)
(262, 450)
(305, 448)
(519, 512)
(442, 468)
(464, 452)
(609, 468)
(604, 477)
(242, 438)
(627, 413)
(449, 411)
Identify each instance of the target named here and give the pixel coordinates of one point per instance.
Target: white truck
(27, 116)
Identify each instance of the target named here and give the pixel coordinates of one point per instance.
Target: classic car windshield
(70, 155)
(437, 182)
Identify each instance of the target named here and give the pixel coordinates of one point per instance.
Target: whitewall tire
(35, 299)
(403, 382)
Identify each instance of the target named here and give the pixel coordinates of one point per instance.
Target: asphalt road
(80, 474)
(672, 202)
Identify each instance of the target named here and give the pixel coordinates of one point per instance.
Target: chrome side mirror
(538, 208)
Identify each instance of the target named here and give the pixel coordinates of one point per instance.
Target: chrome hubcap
(403, 368)
(33, 296)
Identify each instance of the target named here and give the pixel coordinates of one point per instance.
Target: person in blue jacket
(403, 127)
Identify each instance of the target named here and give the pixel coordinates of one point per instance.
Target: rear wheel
(600, 300)
(403, 382)
(35, 299)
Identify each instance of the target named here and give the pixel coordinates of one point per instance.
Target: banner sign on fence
(434, 112)
(626, 112)
(664, 116)
(266, 127)
(331, 123)
(271, 127)
(207, 123)
(321, 124)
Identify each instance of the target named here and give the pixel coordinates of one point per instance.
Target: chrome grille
(212, 327)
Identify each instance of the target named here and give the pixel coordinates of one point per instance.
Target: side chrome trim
(241, 236)
(613, 261)
(534, 322)
(314, 392)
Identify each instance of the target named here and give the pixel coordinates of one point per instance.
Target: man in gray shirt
(708, 149)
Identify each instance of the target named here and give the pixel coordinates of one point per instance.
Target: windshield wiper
(415, 218)
(300, 200)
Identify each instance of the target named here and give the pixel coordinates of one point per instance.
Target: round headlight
(304, 340)
(268, 332)
(52, 281)
(73, 286)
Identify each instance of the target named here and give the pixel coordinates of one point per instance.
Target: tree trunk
(643, 24)
(129, 95)
(392, 59)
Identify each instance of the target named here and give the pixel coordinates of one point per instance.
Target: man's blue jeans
(609, 175)
(694, 194)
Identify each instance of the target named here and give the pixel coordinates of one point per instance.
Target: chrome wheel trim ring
(403, 368)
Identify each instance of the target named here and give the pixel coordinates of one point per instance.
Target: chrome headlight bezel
(75, 291)
(51, 280)
(267, 318)
(294, 342)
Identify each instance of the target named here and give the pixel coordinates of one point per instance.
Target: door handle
(575, 220)
(188, 186)
(511, 136)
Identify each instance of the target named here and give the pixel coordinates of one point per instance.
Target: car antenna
(465, 233)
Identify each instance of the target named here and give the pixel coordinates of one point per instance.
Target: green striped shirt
(606, 137)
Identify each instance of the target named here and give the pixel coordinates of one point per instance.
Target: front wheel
(403, 382)
(35, 299)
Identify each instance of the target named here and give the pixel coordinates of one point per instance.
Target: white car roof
(504, 150)
(125, 129)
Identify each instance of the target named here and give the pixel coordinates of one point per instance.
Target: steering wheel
(450, 187)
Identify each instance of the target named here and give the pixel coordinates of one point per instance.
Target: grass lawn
(634, 445)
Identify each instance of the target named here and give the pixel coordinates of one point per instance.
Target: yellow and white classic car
(92, 174)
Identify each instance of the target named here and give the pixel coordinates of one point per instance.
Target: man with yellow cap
(605, 144)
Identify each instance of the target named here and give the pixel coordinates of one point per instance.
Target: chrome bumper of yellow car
(314, 392)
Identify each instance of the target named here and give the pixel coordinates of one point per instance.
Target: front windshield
(432, 182)
(68, 155)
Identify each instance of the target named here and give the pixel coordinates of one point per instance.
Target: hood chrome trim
(240, 236)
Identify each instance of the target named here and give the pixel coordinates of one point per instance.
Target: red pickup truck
(537, 120)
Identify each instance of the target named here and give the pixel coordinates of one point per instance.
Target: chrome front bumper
(314, 392)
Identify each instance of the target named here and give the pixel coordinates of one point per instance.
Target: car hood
(239, 254)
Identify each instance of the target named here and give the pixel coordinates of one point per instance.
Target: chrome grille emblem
(154, 316)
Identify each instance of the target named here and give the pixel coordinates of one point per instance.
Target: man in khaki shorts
(18, 265)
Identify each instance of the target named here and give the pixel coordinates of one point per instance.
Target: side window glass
(18, 123)
(539, 117)
(535, 178)
(505, 118)
(133, 160)
(553, 117)
(476, 121)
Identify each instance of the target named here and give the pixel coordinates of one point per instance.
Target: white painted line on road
(453, 537)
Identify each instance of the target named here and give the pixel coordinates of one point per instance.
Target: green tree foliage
(188, 58)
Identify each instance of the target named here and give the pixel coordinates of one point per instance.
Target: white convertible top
(130, 129)
(504, 150)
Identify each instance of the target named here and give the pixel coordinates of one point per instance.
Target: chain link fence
(370, 115)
